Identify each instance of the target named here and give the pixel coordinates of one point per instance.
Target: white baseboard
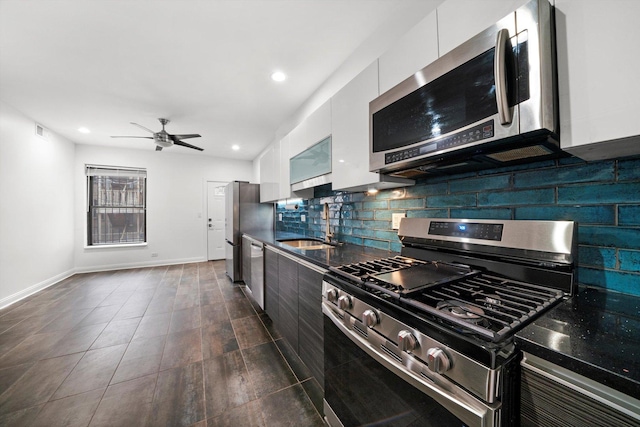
(12, 299)
(97, 268)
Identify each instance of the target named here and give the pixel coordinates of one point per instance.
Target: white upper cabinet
(411, 53)
(312, 130)
(269, 173)
(350, 134)
(459, 20)
(598, 80)
(285, 185)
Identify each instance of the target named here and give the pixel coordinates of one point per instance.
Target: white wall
(36, 207)
(176, 204)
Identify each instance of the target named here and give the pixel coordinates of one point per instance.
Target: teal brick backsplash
(628, 192)
(616, 237)
(480, 183)
(597, 257)
(452, 200)
(602, 171)
(629, 170)
(629, 215)
(428, 213)
(603, 197)
(629, 260)
(538, 196)
(582, 214)
(406, 203)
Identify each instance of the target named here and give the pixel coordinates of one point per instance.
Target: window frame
(91, 171)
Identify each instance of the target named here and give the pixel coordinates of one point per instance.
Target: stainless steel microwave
(490, 102)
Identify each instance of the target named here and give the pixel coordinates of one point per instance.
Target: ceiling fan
(164, 139)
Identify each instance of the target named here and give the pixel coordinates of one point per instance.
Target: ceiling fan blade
(145, 137)
(184, 144)
(189, 135)
(142, 127)
(158, 148)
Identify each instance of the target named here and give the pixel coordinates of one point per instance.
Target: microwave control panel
(476, 133)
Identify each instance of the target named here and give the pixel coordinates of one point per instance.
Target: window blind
(94, 170)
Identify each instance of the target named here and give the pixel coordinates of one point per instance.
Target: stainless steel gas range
(426, 338)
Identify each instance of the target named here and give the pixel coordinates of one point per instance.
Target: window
(117, 209)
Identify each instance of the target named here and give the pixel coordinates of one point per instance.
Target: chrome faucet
(328, 235)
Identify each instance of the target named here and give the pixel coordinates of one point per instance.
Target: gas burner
(461, 310)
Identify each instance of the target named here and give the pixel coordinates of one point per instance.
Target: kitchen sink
(307, 244)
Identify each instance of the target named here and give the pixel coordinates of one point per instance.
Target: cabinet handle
(500, 73)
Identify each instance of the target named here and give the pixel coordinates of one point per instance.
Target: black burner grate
(485, 304)
(504, 305)
(362, 270)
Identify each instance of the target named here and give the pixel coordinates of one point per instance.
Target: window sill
(117, 246)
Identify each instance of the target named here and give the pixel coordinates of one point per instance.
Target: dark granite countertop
(595, 334)
(334, 257)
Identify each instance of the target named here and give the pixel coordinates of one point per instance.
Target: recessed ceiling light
(84, 130)
(278, 76)
(235, 147)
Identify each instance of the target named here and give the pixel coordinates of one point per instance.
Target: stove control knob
(332, 295)
(370, 318)
(344, 302)
(437, 360)
(406, 341)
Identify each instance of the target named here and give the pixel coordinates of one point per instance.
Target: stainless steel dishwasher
(255, 284)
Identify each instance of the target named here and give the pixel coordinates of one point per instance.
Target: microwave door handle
(500, 73)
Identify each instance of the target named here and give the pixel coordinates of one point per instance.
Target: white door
(215, 220)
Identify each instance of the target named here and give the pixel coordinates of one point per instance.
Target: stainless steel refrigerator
(243, 214)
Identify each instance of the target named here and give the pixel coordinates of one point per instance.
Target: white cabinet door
(350, 136)
(285, 185)
(269, 173)
(312, 130)
(318, 125)
(598, 80)
(350, 133)
(459, 20)
(414, 51)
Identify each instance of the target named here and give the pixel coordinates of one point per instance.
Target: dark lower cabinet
(271, 285)
(311, 324)
(553, 396)
(288, 289)
(293, 301)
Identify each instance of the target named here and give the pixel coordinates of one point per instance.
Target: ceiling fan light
(164, 143)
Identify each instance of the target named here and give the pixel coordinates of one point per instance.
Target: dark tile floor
(165, 346)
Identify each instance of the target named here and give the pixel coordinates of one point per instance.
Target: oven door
(364, 386)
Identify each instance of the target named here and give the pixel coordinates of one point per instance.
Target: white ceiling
(203, 64)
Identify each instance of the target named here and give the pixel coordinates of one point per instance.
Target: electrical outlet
(395, 220)
(154, 255)
(303, 218)
(279, 217)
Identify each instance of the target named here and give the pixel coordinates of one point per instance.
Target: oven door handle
(467, 408)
